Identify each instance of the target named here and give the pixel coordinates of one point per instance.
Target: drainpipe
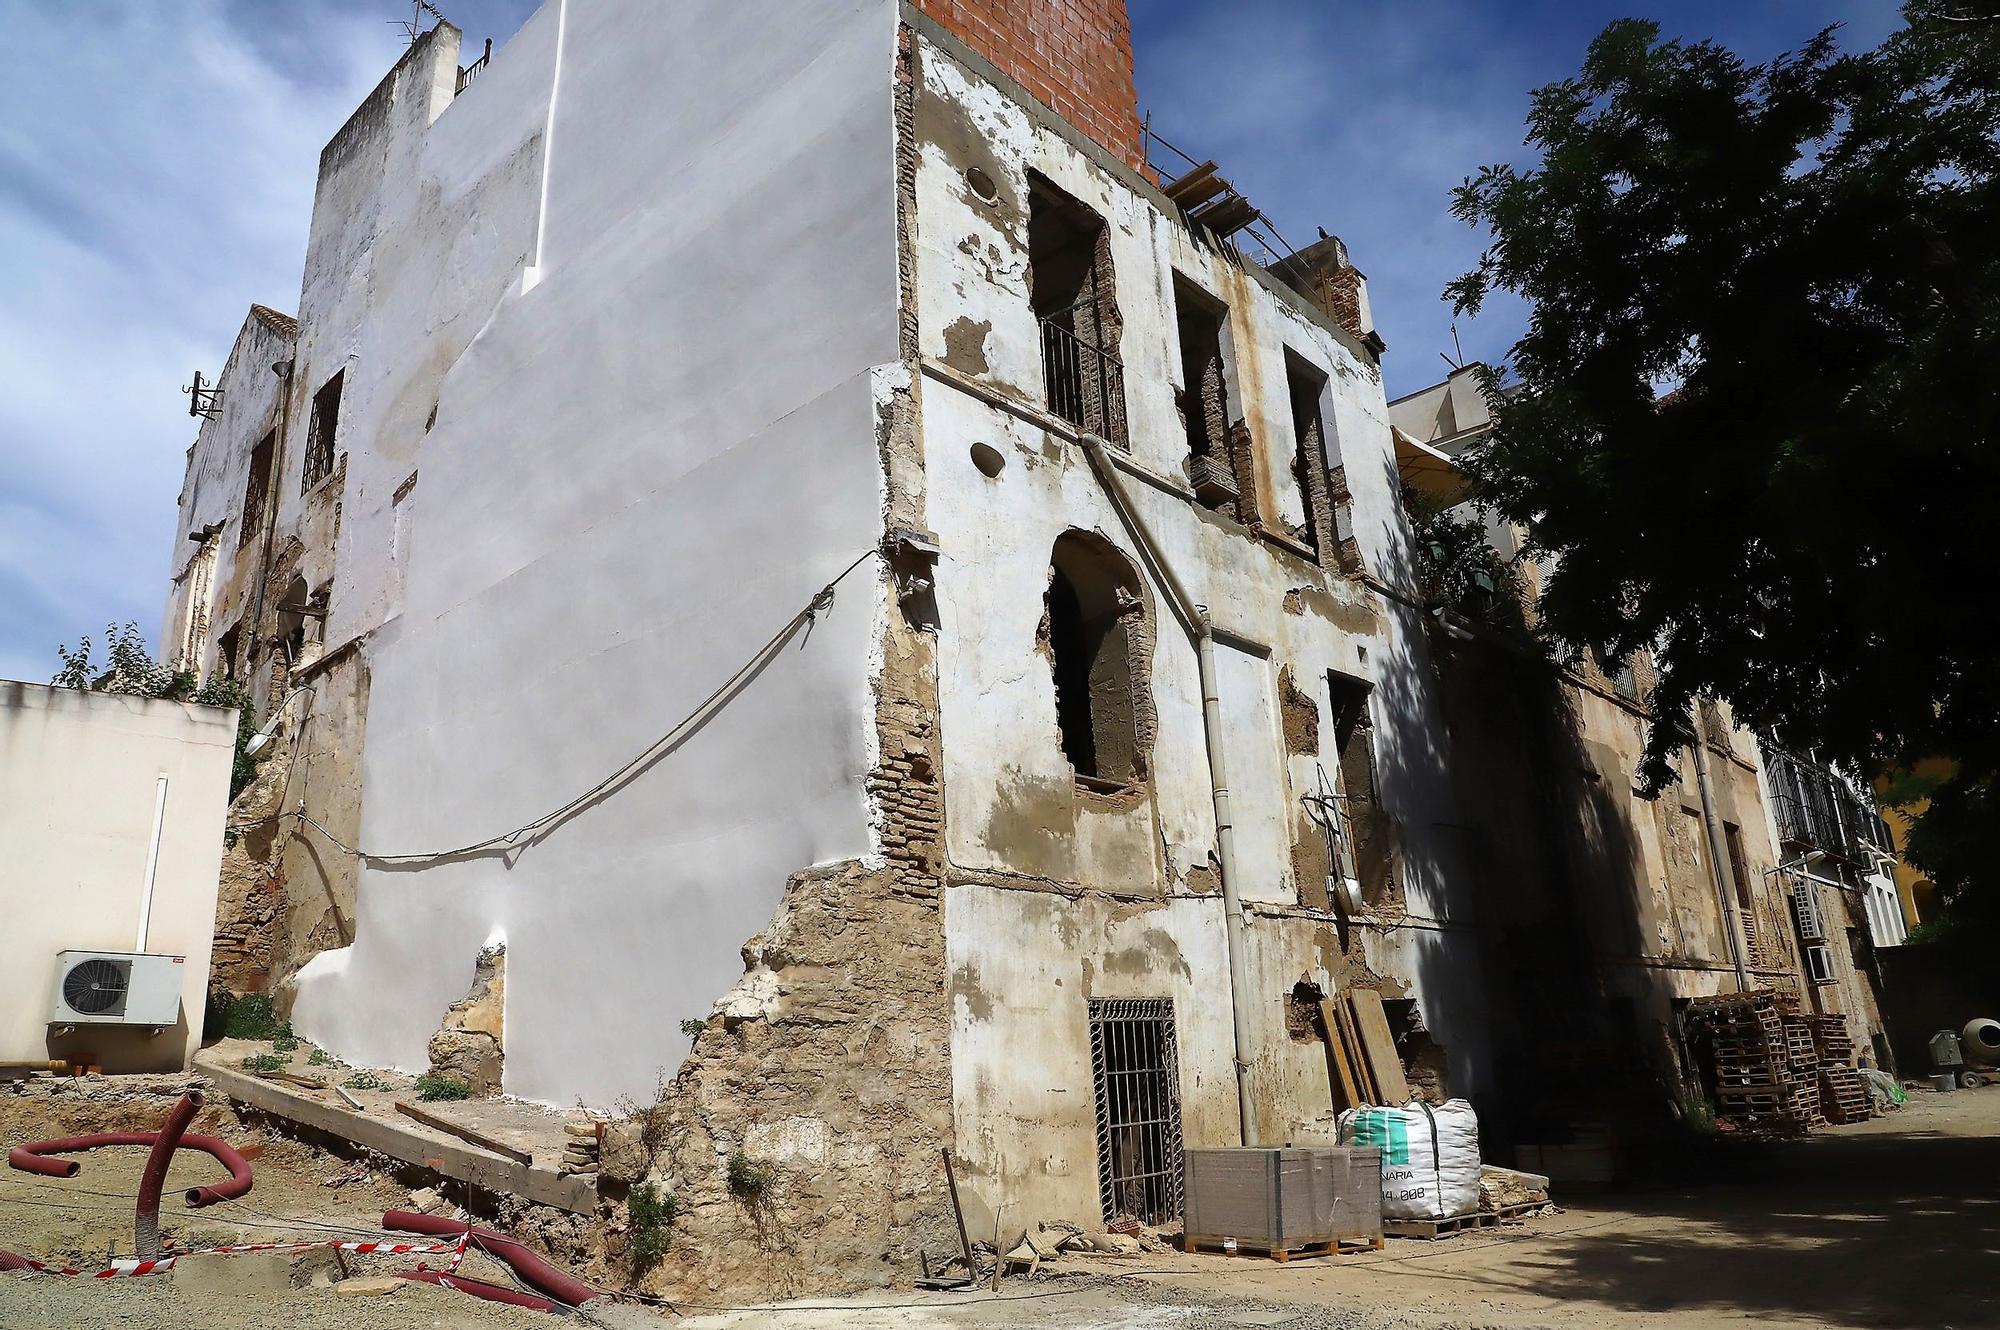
(1194, 620)
(1718, 855)
(284, 369)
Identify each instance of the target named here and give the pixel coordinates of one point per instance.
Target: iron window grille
(1135, 1067)
(1084, 380)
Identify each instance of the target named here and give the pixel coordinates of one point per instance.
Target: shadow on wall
(1529, 852)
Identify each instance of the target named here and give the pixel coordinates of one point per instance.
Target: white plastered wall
(645, 461)
(79, 790)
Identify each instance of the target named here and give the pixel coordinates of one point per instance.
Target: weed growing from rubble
(283, 1040)
(747, 1179)
(653, 1212)
(250, 1016)
(652, 1118)
(365, 1080)
(692, 1028)
(266, 1062)
(319, 1059)
(431, 1087)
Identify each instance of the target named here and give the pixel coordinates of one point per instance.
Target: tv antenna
(413, 27)
(1458, 351)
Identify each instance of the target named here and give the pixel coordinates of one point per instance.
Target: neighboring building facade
(1663, 926)
(111, 812)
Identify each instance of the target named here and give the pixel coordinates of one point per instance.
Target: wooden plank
(1336, 1059)
(1364, 1076)
(451, 1128)
(958, 1213)
(1372, 1024)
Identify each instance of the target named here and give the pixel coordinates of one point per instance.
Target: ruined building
(796, 528)
(1626, 905)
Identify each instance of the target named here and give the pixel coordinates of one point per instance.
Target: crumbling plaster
(1030, 923)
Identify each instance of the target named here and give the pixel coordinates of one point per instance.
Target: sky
(157, 163)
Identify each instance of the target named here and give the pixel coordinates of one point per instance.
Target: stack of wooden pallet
(1757, 1087)
(1361, 1056)
(1843, 1094)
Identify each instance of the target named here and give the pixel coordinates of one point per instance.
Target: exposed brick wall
(1074, 56)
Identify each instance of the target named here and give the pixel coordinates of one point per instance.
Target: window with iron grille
(1073, 288)
(256, 489)
(320, 433)
(1135, 1067)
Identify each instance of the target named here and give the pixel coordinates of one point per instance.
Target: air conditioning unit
(117, 988)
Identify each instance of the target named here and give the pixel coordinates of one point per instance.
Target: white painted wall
(79, 786)
(641, 468)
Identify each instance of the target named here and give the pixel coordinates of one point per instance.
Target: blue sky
(157, 164)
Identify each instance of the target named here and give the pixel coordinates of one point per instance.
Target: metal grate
(1135, 1066)
(1084, 381)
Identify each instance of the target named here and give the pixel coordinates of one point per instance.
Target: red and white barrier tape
(132, 1269)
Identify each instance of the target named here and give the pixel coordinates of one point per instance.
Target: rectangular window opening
(322, 430)
(1073, 290)
(1364, 822)
(1219, 464)
(1135, 1073)
(257, 489)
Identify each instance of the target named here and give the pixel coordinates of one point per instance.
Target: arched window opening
(1100, 652)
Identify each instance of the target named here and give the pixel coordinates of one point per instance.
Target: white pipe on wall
(152, 865)
(1194, 618)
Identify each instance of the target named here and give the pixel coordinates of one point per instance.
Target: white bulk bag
(1430, 1156)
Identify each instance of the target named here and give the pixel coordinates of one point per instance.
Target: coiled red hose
(29, 1158)
(535, 1271)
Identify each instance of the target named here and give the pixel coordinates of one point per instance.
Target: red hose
(146, 1221)
(29, 1158)
(9, 1261)
(534, 1270)
(478, 1288)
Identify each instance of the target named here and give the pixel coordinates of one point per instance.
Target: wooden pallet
(1430, 1230)
(1337, 1247)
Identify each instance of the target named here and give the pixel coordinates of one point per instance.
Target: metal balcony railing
(1814, 807)
(1085, 383)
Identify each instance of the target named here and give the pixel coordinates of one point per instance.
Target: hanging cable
(529, 832)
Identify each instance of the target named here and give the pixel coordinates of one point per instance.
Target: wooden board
(478, 1138)
(1351, 1040)
(1344, 1084)
(1372, 1024)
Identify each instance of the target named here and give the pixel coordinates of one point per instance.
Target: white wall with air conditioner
(79, 785)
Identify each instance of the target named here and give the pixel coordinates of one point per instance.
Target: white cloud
(156, 177)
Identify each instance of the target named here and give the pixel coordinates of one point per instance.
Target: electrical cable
(528, 832)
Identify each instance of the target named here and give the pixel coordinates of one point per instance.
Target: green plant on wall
(652, 1212)
(130, 669)
(433, 1086)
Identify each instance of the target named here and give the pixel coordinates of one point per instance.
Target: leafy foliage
(748, 1179)
(1754, 410)
(266, 1062)
(130, 668)
(652, 1213)
(365, 1080)
(1457, 566)
(433, 1086)
(250, 1016)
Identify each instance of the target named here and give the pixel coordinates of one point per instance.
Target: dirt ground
(1892, 1223)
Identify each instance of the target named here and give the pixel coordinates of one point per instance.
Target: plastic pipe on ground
(146, 1219)
(479, 1288)
(30, 1158)
(535, 1271)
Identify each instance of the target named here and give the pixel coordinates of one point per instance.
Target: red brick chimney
(1074, 56)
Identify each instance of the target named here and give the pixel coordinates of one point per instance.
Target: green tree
(129, 668)
(1752, 418)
